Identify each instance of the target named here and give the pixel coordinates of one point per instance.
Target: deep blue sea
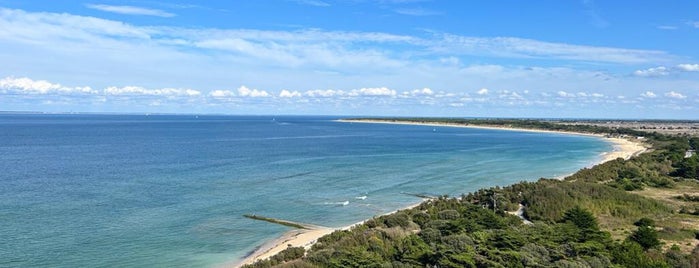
(170, 191)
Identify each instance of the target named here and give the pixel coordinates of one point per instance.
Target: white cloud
(652, 72)
(26, 85)
(419, 92)
(323, 93)
(689, 67)
(675, 95)
(597, 95)
(135, 90)
(289, 94)
(482, 91)
(512, 47)
(510, 95)
(221, 93)
(648, 94)
(244, 91)
(564, 94)
(131, 10)
(372, 91)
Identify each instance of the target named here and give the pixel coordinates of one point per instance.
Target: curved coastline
(622, 148)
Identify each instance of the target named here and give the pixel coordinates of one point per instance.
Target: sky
(477, 58)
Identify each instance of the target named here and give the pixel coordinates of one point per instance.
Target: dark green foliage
(396, 219)
(644, 222)
(631, 254)
(582, 218)
(688, 168)
(646, 236)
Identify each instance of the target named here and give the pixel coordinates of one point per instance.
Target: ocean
(170, 190)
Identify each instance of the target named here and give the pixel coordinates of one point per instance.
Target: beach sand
(623, 148)
(296, 238)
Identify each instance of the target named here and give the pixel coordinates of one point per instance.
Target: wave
(363, 197)
(339, 204)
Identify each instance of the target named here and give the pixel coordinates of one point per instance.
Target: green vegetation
(594, 218)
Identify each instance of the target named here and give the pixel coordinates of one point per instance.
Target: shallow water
(136, 190)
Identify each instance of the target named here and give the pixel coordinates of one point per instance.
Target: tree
(644, 222)
(582, 218)
(645, 236)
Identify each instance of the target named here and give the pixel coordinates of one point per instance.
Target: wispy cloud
(653, 72)
(315, 3)
(131, 10)
(667, 27)
(512, 47)
(417, 12)
(593, 15)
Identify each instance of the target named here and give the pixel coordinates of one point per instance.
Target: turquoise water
(169, 191)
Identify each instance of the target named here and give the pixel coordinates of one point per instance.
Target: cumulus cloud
(289, 94)
(221, 93)
(27, 85)
(244, 91)
(130, 10)
(482, 91)
(135, 90)
(689, 67)
(653, 72)
(323, 93)
(510, 95)
(419, 92)
(675, 95)
(372, 91)
(648, 94)
(564, 94)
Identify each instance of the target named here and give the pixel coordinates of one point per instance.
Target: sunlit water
(170, 191)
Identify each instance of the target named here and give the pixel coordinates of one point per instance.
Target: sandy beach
(623, 148)
(296, 238)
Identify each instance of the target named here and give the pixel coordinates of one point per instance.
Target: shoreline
(301, 238)
(622, 148)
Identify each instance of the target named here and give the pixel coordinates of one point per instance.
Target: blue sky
(578, 59)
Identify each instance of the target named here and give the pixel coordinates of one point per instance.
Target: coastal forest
(640, 212)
